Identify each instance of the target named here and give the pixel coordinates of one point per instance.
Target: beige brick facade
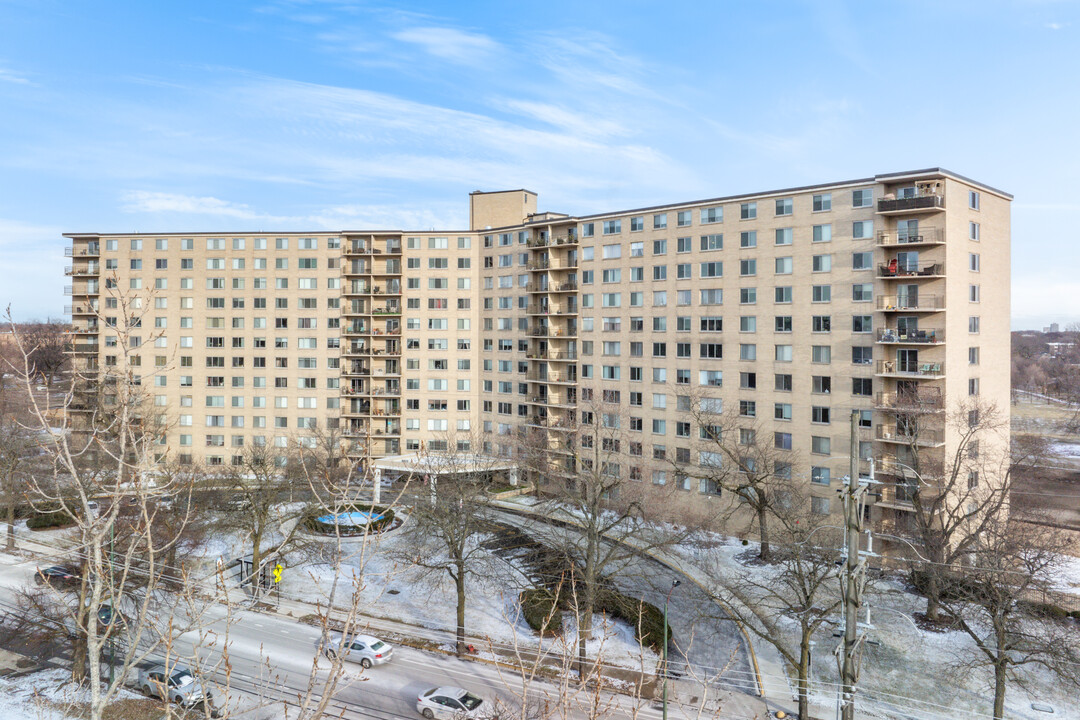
(792, 307)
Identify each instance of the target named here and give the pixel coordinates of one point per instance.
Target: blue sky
(291, 114)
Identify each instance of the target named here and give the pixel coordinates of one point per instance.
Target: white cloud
(160, 202)
(10, 76)
(457, 46)
(1056, 25)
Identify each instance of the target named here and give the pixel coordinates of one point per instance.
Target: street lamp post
(674, 584)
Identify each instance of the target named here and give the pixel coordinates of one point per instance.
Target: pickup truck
(173, 682)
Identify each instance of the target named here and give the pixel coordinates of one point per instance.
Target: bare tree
(800, 588)
(954, 496)
(996, 596)
(47, 345)
(446, 528)
(98, 480)
(739, 457)
(614, 516)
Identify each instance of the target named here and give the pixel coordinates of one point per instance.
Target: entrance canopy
(443, 464)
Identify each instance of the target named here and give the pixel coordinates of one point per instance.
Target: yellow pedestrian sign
(277, 572)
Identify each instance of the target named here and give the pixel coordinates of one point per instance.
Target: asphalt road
(271, 658)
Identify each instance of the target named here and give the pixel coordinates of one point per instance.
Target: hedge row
(54, 519)
(647, 620)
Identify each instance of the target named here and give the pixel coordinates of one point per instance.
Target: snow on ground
(44, 695)
(394, 590)
(1068, 576)
(906, 672)
(1065, 449)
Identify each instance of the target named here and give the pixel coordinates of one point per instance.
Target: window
(783, 353)
(783, 294)
(785, 236)
(862, 198)
(748, 211)
(973, 356)
(659, 247)
(748, 323)
(659, 272)
(612, 252)
(821, 354)
(748, 239)
(684, 218)
(588, 229)
(708, 242)
(820, 415)
(712, 215)
(712, 269)
(819, 505)
(748, 351)
(973, 199)
(784, 206)
(820, 445)
(782, 411)
(862, 355)
(783, 324)
(862, 229)
(748, 408)
(823, 202)
(612, 227)
(973, 386)
(862, 261)
(782, 382)
(659, 221)
(821, 293)
(862, 323)
(862, 386)
(821, 323)
(747, 267)
(822, 233)
(973, 293)
(862, 292)
(712, 297)
(973, 231)
(748, 380)
(822, 263)
(783, 265)
(973, 324)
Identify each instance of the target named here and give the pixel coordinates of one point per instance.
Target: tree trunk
(11, 525)
(804, 677)
(999, 691)
(459, 581)
(763, 527)
(933, 597)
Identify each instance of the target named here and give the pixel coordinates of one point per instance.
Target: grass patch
(51, 519)
(543, 608)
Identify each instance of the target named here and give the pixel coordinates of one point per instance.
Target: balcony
(85, 347)
(386, 311)
(921, 437)
(889, 336)
(548, 310)
(91, 250)
(905, 369)
(896, 496)
(909, 205)
(921, 400)
(924, 236)
(893, 270)
(911, 303)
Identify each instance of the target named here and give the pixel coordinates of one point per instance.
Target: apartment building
(887, 295)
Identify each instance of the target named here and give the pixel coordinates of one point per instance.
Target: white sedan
(453, 703)
(363, 649)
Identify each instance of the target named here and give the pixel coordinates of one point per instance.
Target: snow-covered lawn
(47, 695)
(906, 671)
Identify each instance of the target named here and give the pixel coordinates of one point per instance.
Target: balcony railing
(898, 496)
(921, 400)
(893, 270)
(916, 337)
(923, 236)
(908, 303)
(927, 437)
(910, 204)
(910, 369)
(85, 347)
(69, 252)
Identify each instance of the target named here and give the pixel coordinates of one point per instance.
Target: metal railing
(910, 368)
(895, 270)
(923, 400)
(917, 436)
(910, 302)
(919, 337)
(922, 236)
(920, 202)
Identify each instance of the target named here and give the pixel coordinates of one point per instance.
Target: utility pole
(854, 576)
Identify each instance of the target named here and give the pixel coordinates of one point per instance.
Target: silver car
(175, 683)
(453, 703)
(363, 649)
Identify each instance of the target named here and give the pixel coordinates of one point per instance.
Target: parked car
(364, 649)
(453, 703)
(175, 683)
(57, 577)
